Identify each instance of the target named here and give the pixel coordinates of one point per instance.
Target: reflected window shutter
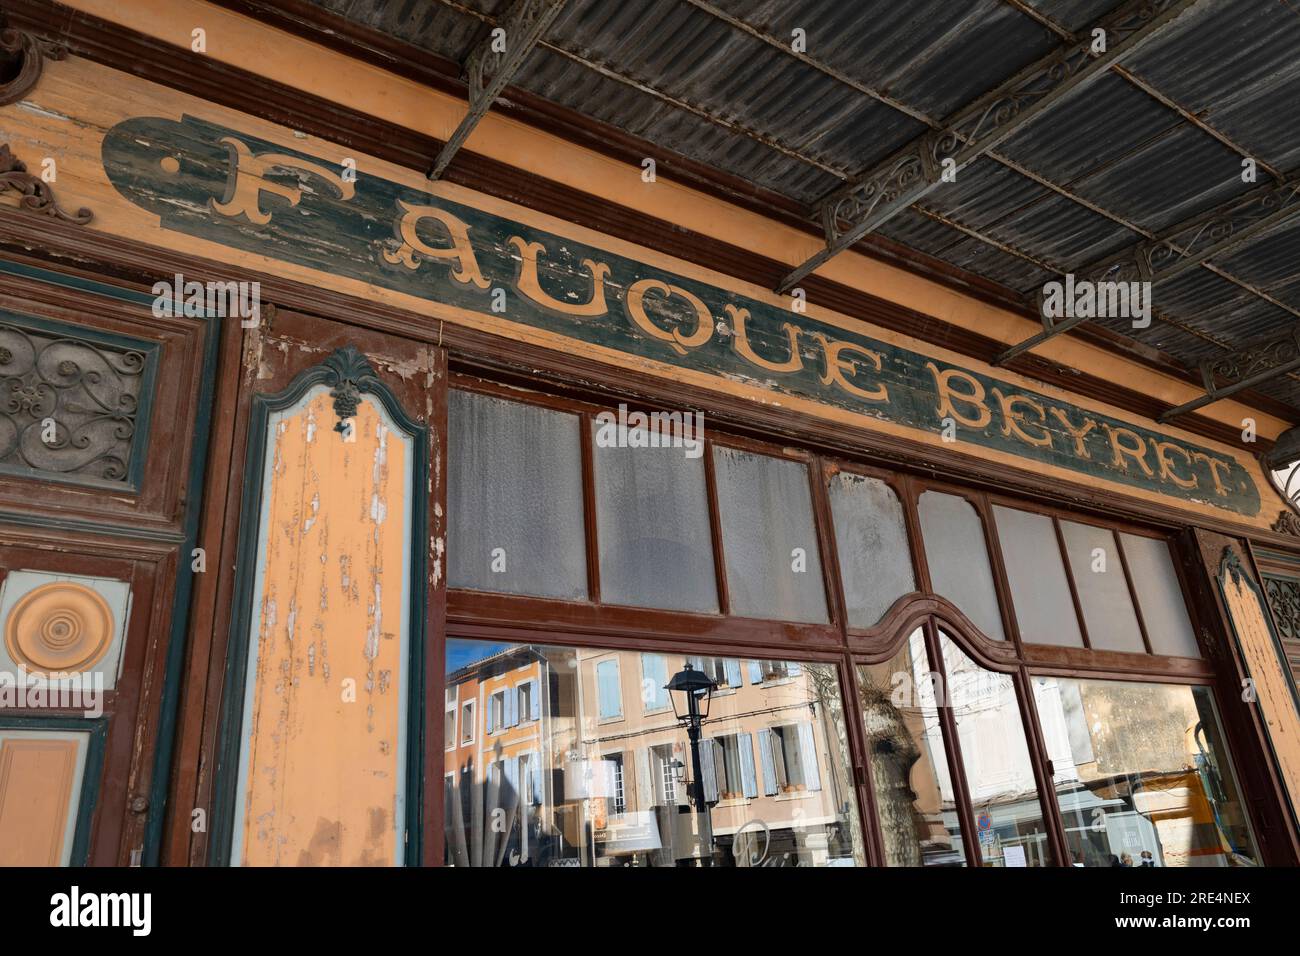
(607, 689)
(708, 771)
(535, 701)
(510, 796)
(793, 669)
(755, 672)
(808, 757)
(747, 781)
(512, 706)
(536, 764)
(765, 756)
(733, 673)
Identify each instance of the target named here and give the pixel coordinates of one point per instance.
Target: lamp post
(695, 689)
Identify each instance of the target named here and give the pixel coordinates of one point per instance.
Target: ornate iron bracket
(34, 193)
(488, 69)
(1243, 368)
(1183, 246)
(870, 200)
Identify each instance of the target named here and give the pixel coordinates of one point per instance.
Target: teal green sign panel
(225, 186)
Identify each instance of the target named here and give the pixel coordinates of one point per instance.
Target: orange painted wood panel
(1272, 692)
(36, 780)
(323, 760)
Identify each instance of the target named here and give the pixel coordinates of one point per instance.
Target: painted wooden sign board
(234, 189)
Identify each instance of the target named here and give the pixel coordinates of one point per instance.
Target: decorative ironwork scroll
(1284, 599)
(69, 407)
(492, 64)
(22, 57)
(1246, 367)
(34, 193)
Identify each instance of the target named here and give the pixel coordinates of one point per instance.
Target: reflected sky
(461, 653)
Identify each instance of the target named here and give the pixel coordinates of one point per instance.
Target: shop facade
(383, 512)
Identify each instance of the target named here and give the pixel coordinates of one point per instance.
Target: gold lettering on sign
(739, 317)
(529, 285)
(1078, 434)
(1136, 449)
(947, 395)
(460, 252)
(1163, 448)
(248, 181)
(1215, 464)
(679, 343)
(837, 366)
(1014, 420)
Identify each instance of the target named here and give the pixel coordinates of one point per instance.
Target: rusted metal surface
(1156, 141)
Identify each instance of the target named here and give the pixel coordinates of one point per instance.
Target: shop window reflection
(915, 803)
(995, 757)
(569, 788)
(1142, 775)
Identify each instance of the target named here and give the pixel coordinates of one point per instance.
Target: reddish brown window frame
(496, 616)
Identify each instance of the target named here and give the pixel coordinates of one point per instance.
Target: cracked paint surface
(323, 773)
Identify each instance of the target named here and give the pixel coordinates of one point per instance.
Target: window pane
(1142, 774)
(574, 788)
(995, 756)
(1040, 590)
(766, 509)
(915, 801)
(871, 540)
(1103, 589)
(652, 515)
(1163, 608)
(514, 498)
(958, 558)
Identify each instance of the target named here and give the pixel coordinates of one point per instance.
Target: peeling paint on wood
(323, 774)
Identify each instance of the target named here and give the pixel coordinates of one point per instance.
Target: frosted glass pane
(652, 519)
(1103, 590)
(1040, 590)
(514, 483)
(872, 543)
(1160, 596)
(958, 559)
(766, 509)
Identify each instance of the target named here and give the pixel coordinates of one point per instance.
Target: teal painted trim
(343, 367)
(169, 702)
(93, 286)
(97, 731)
(1231, 565)
(170, 696)
(144, 408)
